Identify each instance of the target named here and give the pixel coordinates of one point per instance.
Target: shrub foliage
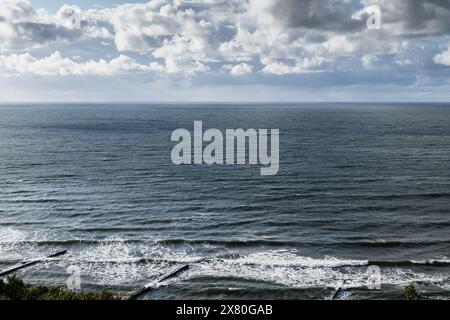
(15, 289)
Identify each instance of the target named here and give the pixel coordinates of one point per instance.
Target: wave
(232, 243)
(391, 243)
(288, 269)
(379, 197)
(444, 262)
(119, 262)
(112, 251)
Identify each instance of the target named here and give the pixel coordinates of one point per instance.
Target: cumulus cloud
(191, 37)
(241, 69)
(302, 66)
(414, 18)
(369, 61)
(23, 27)
(56, 65)
(312, 14)
(443, 58)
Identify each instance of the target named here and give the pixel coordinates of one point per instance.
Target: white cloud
(56, 65)
(241, 69)
(443, 58)
(190, 37)
(23, 27)
(307, 65)
(369, 61)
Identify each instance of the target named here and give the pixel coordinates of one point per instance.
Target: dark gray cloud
(429, 17)
(415, 18)
(316, 14)
(42, 33)
(281, 37)
(28, 28)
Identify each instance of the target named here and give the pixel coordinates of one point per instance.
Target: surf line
(176, 273)
(27, 264)
(152, 286)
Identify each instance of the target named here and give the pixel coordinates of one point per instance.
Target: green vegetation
(410, 293)
(15, 289)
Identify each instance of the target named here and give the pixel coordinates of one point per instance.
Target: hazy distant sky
(217, 50)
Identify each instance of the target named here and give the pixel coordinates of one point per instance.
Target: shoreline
(15, 289)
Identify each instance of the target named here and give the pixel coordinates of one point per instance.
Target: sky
(224, 50)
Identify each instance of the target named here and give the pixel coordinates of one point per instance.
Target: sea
(361, 201)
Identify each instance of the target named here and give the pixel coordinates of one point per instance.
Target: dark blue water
(358, 185)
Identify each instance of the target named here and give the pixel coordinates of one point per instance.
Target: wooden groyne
(152, 286)
(27, 264)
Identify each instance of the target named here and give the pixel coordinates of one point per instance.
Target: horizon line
(3, 103)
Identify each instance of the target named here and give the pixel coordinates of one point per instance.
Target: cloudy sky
(224, 50)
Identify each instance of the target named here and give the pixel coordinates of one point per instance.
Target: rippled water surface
(358, 185)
